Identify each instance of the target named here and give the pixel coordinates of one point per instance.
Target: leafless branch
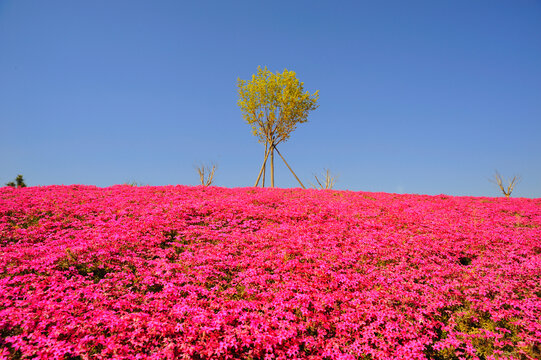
(206, 174)
(506, 190)
(325, 183)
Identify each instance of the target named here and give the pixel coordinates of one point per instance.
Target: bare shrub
(506, 190)
(206, 174)
(326, 182)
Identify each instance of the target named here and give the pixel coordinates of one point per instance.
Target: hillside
(204, 272)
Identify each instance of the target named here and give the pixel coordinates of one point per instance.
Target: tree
(273, 105)
(18, 182)
(510, 184)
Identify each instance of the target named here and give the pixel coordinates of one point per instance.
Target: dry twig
(206, 174)
(326, 183)
(510, 186)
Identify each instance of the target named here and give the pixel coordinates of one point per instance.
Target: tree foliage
(18, 182)
(273, 104)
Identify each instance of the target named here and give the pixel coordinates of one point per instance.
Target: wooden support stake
(290, 168)
(261, 170)
(265, 168)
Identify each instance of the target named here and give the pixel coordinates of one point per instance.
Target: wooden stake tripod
(262, 170)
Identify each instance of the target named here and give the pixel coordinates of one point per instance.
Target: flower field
(213, 273)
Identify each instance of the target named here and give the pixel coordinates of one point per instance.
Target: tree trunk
(272, 164)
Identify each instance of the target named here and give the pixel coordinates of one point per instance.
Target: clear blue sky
(424, 97)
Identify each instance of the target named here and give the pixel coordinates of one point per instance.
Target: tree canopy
(273, 104)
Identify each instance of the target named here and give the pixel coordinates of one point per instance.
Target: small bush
(17, 183)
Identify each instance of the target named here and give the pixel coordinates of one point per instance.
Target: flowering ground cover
(212, 273)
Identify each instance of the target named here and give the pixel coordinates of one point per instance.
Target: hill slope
(195, 272)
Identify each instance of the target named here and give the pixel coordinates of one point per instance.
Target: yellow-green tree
(273, 104)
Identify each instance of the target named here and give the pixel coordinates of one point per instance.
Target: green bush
(18, 182)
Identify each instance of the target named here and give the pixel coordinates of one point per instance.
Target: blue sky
(425, 97)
